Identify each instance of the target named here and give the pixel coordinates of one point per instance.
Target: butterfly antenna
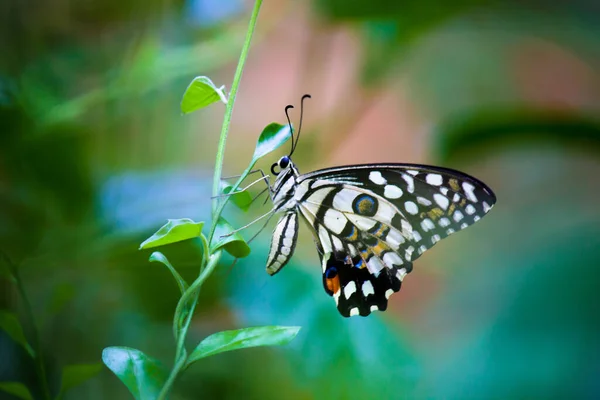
(290, 125)
(301, 117)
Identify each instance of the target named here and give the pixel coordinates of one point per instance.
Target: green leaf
(74, 375)
(271, 138)
(143, 375)
(242, 199)
(200, 93)
(17, 389)
(175, 230)
(243, 338)
(157, 256)
(233, 244)
(11, 325)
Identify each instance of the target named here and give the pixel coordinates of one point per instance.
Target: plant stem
(228, 111)
(39, 355)
(190, 296)
(181, 353)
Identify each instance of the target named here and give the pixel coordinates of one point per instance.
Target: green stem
(181, 353)
(190, 296)
(228, 111)
(39, 355)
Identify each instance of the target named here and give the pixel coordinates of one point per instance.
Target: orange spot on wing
(333, 284)
(380, 247)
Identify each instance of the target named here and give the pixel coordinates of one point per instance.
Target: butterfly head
(283, 163)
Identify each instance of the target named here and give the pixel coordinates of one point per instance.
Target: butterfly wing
(372, 221)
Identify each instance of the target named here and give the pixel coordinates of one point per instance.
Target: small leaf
(74, 375)
(243, 338)
(17, 389)
(200, 93)
(143, 375)
(271, 138)
(157, 256)
(242, 199)
(11, 325)
(176, 230)
(233, 244)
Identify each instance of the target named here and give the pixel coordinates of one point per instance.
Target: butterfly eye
(273, 169)
(284, 162)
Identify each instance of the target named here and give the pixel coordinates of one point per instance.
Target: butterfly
(370, 222)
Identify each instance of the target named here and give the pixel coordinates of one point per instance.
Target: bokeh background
(95, 156)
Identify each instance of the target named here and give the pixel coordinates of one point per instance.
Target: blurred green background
(95, 156)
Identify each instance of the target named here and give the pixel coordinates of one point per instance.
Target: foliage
(145, 378)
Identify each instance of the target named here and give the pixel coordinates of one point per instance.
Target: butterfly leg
(270, 213)
(264, 177)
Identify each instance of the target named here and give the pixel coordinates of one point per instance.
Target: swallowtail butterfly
(370, 222)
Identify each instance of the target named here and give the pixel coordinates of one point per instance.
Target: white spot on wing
(458, 216)
(367, 288)
(337, 244)
(435, 239)
(324, 238)
(374, 265)
(416, 236)
(353, 251)
(374, 308)
(401, 273)
(390, 259)
(434, 179)
(392, 192)
(411, 207)
(363, 223)
(301, 190)
(422, 249)
(336, 296)
(394, 238)
(486, 207)
(388, 293)
(468, 188)
(427, 224)
(408, 253)
(285, 251)
(424, 201)
(470, 209)
(444, 222)
(377, 178)
(354, 311)
(413, 172)
(410, 182)
(342, 201)
(334, 220)
(350, 289)
(441, 200)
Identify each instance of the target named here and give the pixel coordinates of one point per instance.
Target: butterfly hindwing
(355, 290)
